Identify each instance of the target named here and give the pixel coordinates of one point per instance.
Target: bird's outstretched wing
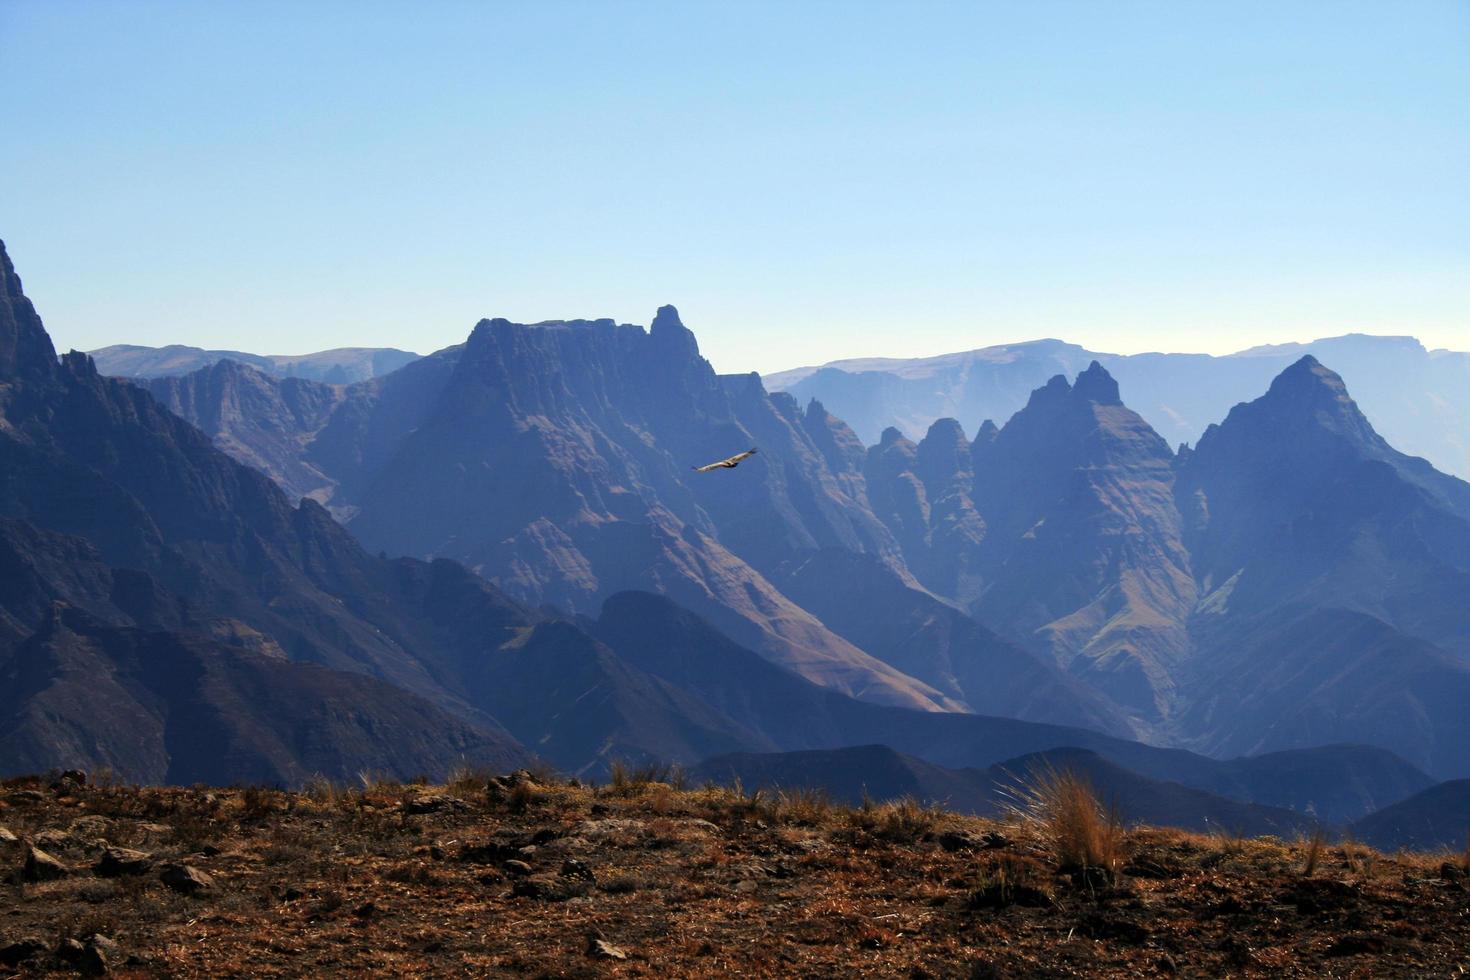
(726, 464)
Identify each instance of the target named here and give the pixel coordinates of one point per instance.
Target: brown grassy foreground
(541, 877)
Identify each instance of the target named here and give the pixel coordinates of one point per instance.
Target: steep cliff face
(556, 459)
(168, 551)
(1059, 529)
(263, 422)
(1085, 549)
(1295, 499)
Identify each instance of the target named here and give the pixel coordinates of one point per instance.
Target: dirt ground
(534, 876)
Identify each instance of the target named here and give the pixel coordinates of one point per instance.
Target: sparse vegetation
(1081, 833)
(1314, 852)
(400, 878)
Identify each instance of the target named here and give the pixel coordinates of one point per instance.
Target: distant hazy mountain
(1418, 399)
(340, 366)
(1292, 581)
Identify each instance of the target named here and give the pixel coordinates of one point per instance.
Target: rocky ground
(536, 876)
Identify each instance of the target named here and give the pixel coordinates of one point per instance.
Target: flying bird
(726, 464)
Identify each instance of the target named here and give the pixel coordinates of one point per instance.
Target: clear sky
(806, 181)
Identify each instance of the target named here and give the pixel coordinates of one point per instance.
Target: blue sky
(805, 181)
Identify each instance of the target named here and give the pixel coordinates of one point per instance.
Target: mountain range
(1419, 399)
(1067, 567)
(1282, 592)
(343, 365)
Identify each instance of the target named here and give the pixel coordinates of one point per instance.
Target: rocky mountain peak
(1054, 392)
(1307, 393)
(25, 349)
(891, 437)
(1097, 385)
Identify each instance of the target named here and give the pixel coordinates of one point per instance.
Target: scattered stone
(610, 827)
(97, 955)
(118, 861)
(572, 868)
(1358, 943)
(960, 840)
(54, 840)
(70, 950)
(92, 825)
(41, 866)
(547, 888)
(27, 796)
(6, 837)
(156, 829)
(78, 776)
(1449, 871)
(437, 803)
(186, 879)
(601, 949)
(21, 950)
(516, 869)
(747, 887)
(366, 910)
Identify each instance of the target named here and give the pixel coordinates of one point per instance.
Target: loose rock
(601, 949)
(434, 804)
(118, 861)
(21, 950)
(41, 866)
(186, 879)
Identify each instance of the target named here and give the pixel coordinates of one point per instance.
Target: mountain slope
(260, 421)
(879, 773)
(652, 635)
(179, 707)
(865, 602)
(555, 459)
(1439, 817)
(188, 541)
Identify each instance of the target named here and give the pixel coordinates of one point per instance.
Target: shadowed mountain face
(1419, 399)
(739, 690)
(1059, 529)
(178, 560)
(1084, 548)
(339, 367)
(1292, 581)
(1294, 498)
(261, 422)
(556, 460)
(865, 602)
(1437, 818)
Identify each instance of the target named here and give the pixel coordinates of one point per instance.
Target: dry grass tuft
(466, 780)
(805, 807)
(626, 780)
(1314, 852)
(1078, 830)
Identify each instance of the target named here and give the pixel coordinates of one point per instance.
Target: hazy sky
(806, 181)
